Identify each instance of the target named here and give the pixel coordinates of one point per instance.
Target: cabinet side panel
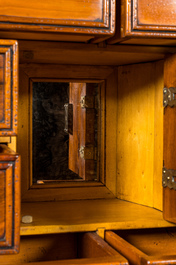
(135, 133)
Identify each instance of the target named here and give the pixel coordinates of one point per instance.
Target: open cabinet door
(82, 139)
(169, 149)
(9, 160)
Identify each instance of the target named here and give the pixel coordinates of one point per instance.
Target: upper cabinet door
(169, 149)
(93, 17)
(143, 19)
(8, 87)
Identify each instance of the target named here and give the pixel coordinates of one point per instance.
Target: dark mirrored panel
(50, 142)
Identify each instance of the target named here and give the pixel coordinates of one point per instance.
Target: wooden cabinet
(125, 190)
(73, 20)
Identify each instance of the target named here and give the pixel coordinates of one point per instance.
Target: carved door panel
(9, 160)
(82, 141)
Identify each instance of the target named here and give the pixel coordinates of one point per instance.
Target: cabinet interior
(131, 144)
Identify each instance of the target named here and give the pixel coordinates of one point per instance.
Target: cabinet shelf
(89, 215)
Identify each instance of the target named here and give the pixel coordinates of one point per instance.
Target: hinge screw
(164, 171)
(169, 96)
(165, 91)
(164, 182)
(168, 178)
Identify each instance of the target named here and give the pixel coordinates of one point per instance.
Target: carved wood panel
(8, 87)
(9, 200)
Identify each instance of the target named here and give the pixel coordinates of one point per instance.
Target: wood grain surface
(10, 200)
(8, 87)
(91, 17)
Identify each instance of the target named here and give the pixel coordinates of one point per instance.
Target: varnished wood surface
(139, 126)
(169, 157)
(83, 131)
(88, 54)
(88, 215)
(8, 87)
(73, 16)
(145, 19)
(74, 73)
(10, 200)
(96, 261)
(93, 246)
(145, 246)
(51, 248)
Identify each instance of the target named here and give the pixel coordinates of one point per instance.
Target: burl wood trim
(9, 88)
(10, 201)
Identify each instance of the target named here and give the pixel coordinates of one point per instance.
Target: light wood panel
(88, 54)
(136, 141)
(158, 136)
(88, 215)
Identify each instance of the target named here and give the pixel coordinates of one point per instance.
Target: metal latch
(87, 102)
(169, 178)
(169, 96)
(87, 152)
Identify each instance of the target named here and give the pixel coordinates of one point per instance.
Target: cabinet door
(169, 153)
(82, 141)
(9, 160)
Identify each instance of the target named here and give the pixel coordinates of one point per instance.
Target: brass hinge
(88, 152)
(169, 178)
(169, 96)
(87, 102)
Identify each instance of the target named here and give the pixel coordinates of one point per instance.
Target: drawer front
(150, 18)
(71, 16)
(9, 200)
(8, 87)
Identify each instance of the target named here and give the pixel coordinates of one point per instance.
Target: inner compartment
(152, 242)
(55, 247)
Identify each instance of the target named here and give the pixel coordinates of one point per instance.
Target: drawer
(149, 246)
(69, 18)
(146, 22)
(68, 248)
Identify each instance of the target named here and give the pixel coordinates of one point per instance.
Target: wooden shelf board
(88, 54)
(89, 215)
